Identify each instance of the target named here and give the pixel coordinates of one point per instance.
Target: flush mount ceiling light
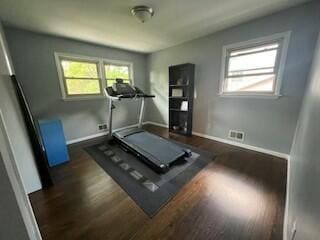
(142, 13)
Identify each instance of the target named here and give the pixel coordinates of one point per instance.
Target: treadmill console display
(121, 88)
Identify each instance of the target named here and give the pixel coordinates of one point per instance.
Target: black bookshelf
(181, 91)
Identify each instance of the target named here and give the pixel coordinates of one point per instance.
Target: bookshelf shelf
(178, 85)
(173, 97)
(181, 90)
(178, 110)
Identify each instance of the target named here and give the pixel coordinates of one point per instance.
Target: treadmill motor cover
(159, 150)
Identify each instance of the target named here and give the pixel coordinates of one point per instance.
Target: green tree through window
(116, 71)
(84, 77)
(81, 78)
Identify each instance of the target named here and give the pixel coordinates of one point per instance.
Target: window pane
(253, 61)
(263, 83)
(254, 49)
(116, 71)
(82, 86)
(75, 69)
(253, 71)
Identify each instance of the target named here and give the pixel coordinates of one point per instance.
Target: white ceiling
(109, 22)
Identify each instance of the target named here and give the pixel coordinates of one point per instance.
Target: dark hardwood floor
(241, 195)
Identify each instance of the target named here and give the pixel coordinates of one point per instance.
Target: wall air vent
(236, 135)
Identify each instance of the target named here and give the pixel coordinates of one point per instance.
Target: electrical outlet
(102, 127)
(293, 230)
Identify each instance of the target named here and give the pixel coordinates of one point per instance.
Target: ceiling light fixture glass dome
(142, 13)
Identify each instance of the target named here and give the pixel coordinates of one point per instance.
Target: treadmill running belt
(162, 150)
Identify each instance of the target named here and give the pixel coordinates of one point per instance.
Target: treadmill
(157, 152)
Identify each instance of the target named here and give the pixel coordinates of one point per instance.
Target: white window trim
(101, 74)
(285, 36)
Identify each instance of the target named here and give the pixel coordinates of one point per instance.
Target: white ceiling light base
(142, 13)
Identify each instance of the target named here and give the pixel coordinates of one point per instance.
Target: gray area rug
(150, 190)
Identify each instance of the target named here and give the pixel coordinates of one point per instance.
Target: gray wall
(33, 59)
(16, 161)
(18, 135)
(304, 166)
(268, 123)
(16, 129)
(11, 222)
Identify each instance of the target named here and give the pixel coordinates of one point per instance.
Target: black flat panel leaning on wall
(181, 91)
(35, 140)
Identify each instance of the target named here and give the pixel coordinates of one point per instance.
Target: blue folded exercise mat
(54, 141)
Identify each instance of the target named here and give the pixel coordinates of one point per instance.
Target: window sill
(67, 99)
(257, 95)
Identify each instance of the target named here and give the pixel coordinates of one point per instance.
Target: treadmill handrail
(120, 96)
(148, 96)
(111, 97)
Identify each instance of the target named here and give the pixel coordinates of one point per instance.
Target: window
(80, 78)
(254, 67)
(114, 71)
(85, 77)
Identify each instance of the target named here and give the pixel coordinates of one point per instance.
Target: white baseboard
(76, 140)
(129, 126)
(226, 141)
(238, 144)
(242, 145)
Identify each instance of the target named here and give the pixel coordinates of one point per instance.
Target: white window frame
(283, 38)
(101, 73)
